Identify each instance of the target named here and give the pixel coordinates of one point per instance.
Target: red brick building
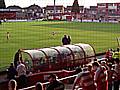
(16, 12)
(108, 10)
(59, 11)
(69, 9)
(33, 12)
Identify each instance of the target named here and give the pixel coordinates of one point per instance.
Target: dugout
(57, 58)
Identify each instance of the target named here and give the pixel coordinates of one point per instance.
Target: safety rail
(46, 83)
(100, 59)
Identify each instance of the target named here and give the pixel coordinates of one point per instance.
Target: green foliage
(39, 35)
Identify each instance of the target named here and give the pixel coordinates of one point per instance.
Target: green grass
(39, 34)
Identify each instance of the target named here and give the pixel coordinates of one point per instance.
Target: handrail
(101, 59)
(31, 87)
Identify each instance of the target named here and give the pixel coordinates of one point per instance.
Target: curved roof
(49, 51)
(34, 54)
(85, 50)
(62, 50)
(88, 49)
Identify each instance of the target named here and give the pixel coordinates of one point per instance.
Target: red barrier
(61, 79)
(43, 76)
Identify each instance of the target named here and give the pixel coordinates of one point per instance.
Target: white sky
(43, 3)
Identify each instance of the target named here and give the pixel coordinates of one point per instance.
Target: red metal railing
(46, 83)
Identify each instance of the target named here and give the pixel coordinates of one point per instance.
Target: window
(110, 4)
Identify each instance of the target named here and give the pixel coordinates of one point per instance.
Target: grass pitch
(39, 34)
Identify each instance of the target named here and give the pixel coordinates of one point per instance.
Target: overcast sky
(43, 3)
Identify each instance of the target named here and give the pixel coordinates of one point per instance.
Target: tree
(2, 4)
(75, 7)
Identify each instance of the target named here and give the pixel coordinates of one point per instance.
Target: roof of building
(10, 10)
(93, 7)
(58, 7)
(70, 7)
(34, 6)
(14, 7)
